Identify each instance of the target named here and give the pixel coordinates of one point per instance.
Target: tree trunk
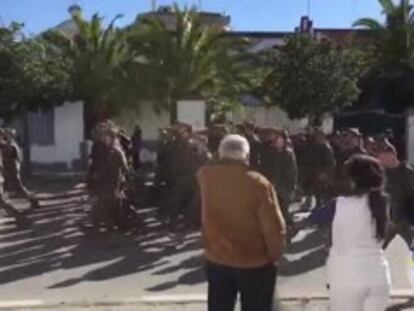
(172, 104)
(92, 117)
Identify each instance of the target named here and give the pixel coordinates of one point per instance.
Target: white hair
(234, 147)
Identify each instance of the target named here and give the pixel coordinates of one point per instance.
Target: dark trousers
(10, 210)
(14, 183)
(255, 286)
(182, 199)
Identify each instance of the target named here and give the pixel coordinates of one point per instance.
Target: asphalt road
(58, 260)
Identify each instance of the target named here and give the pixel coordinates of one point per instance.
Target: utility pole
(309, 8)
(200, 5)
(153, 5)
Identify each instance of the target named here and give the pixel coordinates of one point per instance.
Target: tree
(391, 56)
(392, 42)
(33, 75)
(307, 78)
(194, 60)
(100, 58)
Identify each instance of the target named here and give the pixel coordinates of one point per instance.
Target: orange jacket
(242, 222)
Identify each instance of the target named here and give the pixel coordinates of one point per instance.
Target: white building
(56, 137)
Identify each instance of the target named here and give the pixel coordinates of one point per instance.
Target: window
(42, 127)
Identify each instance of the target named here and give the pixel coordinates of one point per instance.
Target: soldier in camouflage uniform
(11, 156)
(249, 131)
(400, 186)
(185, 157)
(318, 168)
(215, 135)
(9, 209)
(109, 177)
(278, 164)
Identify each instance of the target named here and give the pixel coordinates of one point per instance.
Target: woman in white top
(358, 273)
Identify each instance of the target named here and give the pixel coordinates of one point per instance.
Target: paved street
(57, 260)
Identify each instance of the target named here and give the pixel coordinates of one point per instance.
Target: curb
(161, 300)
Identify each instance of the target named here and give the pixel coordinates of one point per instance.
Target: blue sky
(246, 14)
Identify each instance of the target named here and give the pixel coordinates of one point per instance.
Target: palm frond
(388, 6)
(368, 23)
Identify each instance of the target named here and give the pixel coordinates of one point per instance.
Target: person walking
(110, 172)
(243, 229)
(10, 152)
(20, 219)
(249, 131)
(136, 146)
(278, 164)
(352, 143)
(400, 185)
(318, 169)
(184, 159)
(358, 273)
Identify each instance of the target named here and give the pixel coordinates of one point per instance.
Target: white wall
(68, 130)
(276, 117)
(192, 112)
(267, 117)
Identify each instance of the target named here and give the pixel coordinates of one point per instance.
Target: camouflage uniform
(10, 210)
(108, 185)
(136, 145)
(185, 158)
(280, 168)
(400, 186)
(215, 136)
(318, 169)
(11, 169)
(255, 151)
(96, 157)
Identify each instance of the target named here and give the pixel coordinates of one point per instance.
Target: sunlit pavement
(57, 260)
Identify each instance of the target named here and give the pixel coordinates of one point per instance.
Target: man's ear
(248, 158)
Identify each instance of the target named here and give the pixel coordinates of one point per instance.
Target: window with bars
(42, 127)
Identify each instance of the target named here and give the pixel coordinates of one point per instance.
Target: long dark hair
(367, 176)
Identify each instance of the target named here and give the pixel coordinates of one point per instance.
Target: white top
(356, 254)
(354, 229)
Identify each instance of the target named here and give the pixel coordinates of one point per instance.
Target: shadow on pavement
(194, 274)
(58, 241)
(402, 306)
(310, 253)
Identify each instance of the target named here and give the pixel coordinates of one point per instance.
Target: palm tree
(391, 57)
(393, 41)
(193, 60)
(100, 57)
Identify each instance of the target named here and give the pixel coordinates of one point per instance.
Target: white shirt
(356, 254)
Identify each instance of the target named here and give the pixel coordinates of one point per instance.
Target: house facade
(56, 138)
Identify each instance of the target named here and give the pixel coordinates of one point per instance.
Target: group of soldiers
(10, 177)
(306, 165)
